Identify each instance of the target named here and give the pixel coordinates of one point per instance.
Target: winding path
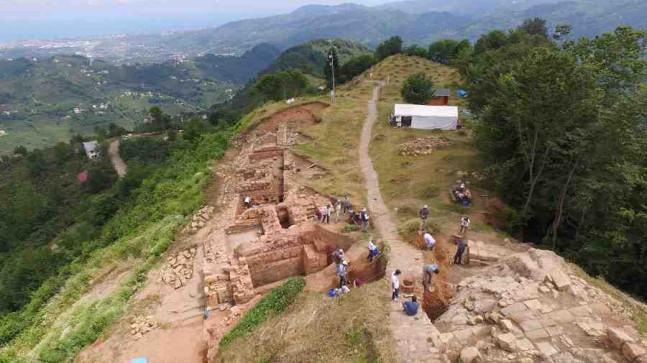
(117, 161)
(414, 335)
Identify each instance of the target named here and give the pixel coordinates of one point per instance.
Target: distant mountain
(470, 8)
(417, 21)
(43, 101)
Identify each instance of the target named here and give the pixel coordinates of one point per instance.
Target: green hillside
(44, 101)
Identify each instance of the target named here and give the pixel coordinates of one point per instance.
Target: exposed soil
(300, 115)
(117, 161)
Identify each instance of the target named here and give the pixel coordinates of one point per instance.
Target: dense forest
(562, 130)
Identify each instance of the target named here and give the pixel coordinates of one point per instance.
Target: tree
(20, 150)
(416, 51)
(159, 120)
(562, 135)
(535, 26)
(355, 66)
(417, 89)
(444, 50)
(389, 47)
(561, 31)
(493, 40)
(281, 85)
(617, 57)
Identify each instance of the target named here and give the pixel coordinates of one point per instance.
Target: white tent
(426, 117)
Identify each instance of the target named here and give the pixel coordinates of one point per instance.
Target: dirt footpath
(413, 334)
(117, 161)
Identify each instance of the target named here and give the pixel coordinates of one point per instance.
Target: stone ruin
(274, 238)
(423, 145)
(179, 268)
(530, 307)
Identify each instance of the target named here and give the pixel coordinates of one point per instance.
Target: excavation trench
(436, 301)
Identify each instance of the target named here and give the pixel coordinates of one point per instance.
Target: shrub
(350, 228)
(275, 302)
(417, 89)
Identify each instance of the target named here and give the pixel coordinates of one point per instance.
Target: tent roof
(442, 92)
(420, 110)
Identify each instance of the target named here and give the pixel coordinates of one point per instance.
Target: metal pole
(332, 67)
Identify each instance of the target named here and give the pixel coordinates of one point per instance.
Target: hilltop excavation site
(509, 303)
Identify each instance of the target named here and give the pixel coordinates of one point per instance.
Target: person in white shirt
(372, 251)
(465, 224)
(429, 240)
(395, 285)
(248, 201)
(326, 214)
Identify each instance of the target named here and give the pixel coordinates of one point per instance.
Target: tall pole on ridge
(332, 67)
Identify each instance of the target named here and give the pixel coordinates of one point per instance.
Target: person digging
(426, 279)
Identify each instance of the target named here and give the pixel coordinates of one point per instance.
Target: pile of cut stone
(423, 145)
(179, 268)
(140, 326)
(530, 307)
(200, 218)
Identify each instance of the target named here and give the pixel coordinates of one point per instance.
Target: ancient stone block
(524, 345)
(632, 351)
(506, 325)
(562, 316)
(530, 325)
(618, 337)
(470, 355)
(514, 308)
(507, 342)
(546, 349)
(537, 334)
(533, 304)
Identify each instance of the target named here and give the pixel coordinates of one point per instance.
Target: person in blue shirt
(411, 307)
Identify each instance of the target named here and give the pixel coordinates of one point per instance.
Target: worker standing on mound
(460, 249)
(338, 256)
(337, 210)
(426, 279)
(465, 224)
(424, 214)
(372, 251)
(341, 272)
(363, 216)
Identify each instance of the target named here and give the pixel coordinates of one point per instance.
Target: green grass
(274, 303)
(408, 182)
(318, 328)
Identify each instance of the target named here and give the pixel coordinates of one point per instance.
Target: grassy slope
(318, 328)
(407, 182)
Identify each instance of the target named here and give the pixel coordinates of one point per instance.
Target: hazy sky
(29, 19)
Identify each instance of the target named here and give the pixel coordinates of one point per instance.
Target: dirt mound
(304, 114)
(423, 145)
